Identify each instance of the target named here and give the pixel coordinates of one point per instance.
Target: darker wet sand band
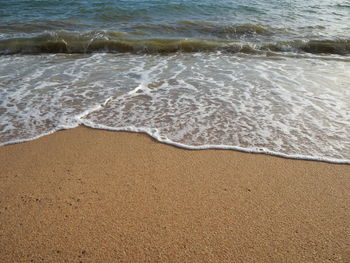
(85, 195)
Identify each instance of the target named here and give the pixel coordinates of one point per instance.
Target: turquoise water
(313, 18)
(257, 76)
(278, 25)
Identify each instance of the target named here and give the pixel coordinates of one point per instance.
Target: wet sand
(85, 195)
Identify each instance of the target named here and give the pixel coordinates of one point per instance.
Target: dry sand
(86, 195)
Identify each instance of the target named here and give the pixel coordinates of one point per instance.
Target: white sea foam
(291, 107)
(39, 94)
(154, 133)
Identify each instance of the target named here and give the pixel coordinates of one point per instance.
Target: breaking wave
(119, 42)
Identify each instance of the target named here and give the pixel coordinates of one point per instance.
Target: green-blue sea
(267, 76)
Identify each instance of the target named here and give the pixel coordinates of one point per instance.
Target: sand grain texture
(86, 195)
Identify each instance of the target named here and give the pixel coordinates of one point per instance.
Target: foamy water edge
(82, 118)
(153, 133)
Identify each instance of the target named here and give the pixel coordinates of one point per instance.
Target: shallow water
(258, 76)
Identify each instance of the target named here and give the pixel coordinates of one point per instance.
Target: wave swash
(266, 77)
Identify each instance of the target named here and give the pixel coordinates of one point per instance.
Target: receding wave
(118, 42)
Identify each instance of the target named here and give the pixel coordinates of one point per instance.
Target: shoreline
(188, 147)
(92, 195)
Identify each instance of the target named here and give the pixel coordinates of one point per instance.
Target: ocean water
(267, 76)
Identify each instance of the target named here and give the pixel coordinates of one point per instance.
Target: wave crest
(119, 42)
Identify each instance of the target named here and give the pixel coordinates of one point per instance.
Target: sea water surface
(267, 76)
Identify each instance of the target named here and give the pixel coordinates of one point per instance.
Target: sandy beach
(85, 195)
